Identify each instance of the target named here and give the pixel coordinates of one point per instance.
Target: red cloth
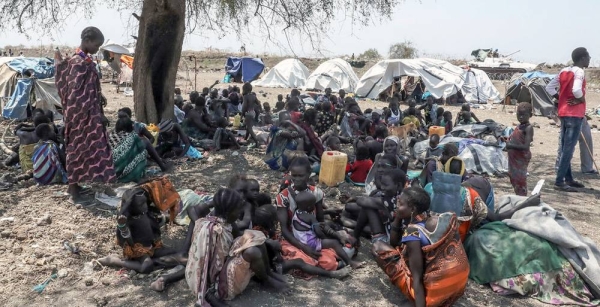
(566, 79)
(295, 116)
(360, 169)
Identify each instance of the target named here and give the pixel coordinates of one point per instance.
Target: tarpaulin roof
(18, 93)
(41, 68)
(441, 78)
(532, 74)
(531, 87)
(248, 68)
(335, 74)
(290, 73)
(478, 88)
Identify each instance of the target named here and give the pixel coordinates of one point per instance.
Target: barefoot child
(317, 235)
(359, 169)
(223, 138)
(378, 211)
(518, 147)
(138, 233)
(264, 221)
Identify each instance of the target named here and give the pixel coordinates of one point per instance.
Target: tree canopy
(404, 50)
(370, 54)
(310, 18)
(162, 25)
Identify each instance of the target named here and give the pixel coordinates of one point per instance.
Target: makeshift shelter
(441, 78)
(336, 74)
(531, 87)
(290, 73)
(478, 88)
(115, 54)
(244, 69)
(26, 83)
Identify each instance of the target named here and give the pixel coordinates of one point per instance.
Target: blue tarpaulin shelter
(244, 69)
(27, 83)
(531, 87)
(16, 108)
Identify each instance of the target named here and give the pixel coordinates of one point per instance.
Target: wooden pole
(589, 150)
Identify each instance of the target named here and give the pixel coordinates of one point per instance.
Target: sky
(543, 31)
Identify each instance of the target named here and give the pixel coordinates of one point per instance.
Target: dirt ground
(30, 250)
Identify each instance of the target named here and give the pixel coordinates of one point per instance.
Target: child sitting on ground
(465, 118)
(264, 221)
(440, 116)
(519, 149)
(139, 128)
(325, 118)
(223, 138)
(48, 159)
(412, 118)
(28, 139)
(333, 143)
(375, 121)
(359, 169)
(310, 232)
(447, 122)
(280, 104)
(267, 116)
(433, 151)
(138, 233)
(460, 116)
(394, 115)
(378, 211)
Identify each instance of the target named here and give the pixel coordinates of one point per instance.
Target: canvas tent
(478, 88)
(26, 82)
(441, 78)
(531, 87)
(115, 55)
(336, 74)
(290, 73)
(244, 69)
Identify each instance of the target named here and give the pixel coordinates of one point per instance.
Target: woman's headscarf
(395, 139)
(455, 158)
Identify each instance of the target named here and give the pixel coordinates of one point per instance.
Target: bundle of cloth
(536, 253)
(480, 156)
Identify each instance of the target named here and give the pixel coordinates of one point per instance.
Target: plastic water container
(439, 130)
(237, 120)
(333, 168)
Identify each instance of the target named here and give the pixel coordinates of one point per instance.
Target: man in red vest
(568, 87)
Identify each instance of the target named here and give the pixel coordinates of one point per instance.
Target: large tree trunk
(157, 53)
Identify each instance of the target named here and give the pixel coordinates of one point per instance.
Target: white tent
(290, 73)
(441, 78)
(336, 74)
(478, 88)
(112, 52)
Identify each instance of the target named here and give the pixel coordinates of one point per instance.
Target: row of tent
(26, 82)
(441, 78)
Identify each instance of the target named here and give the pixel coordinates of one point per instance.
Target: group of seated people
(428, 238)
(429, 234)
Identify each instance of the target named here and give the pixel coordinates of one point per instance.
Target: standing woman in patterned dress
(88, 155)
